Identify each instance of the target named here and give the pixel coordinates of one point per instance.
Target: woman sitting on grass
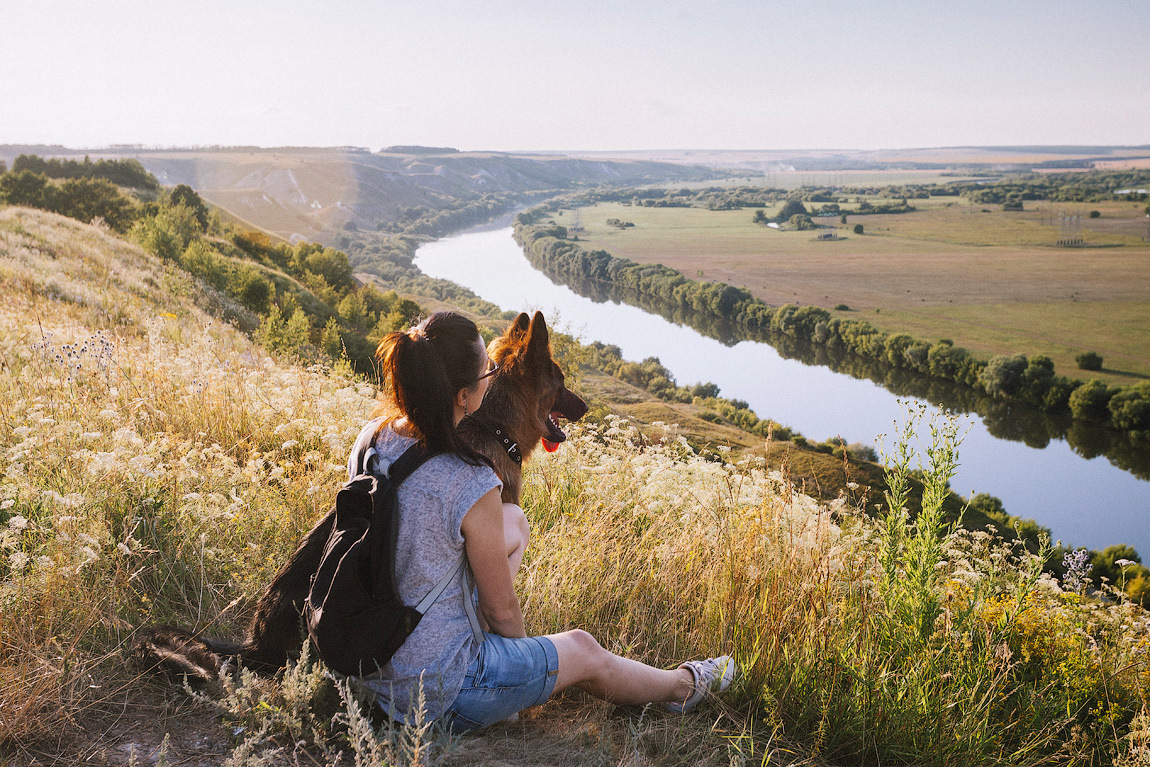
(475, 675)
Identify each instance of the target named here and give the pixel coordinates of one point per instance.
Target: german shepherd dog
(521, 409)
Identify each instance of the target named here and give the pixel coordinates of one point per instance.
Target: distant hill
(314, 192)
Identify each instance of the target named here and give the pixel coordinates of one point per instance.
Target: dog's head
(528, 389)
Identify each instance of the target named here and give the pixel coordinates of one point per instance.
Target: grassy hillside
(158, 465)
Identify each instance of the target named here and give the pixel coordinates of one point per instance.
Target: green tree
(333, 266)
(283, 337)
(858, 229)
(791, 208)
(1090, 401)
(1036, 380)
(23, 187)
(85, 199)
(1130, 408)
(331, 341)
(167, 233)
(256, 291)
(186, 196)
(800, 222)
(1002, 375)
(352, 309)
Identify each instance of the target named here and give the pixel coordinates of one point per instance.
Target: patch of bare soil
(147, 717)
(153, 722)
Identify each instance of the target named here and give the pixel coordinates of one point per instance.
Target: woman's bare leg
(585, 664)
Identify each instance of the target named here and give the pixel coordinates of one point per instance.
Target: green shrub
(858, 229)
(1089, 361)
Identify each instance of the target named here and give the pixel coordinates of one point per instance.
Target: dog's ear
(518, 331)
(538, 340)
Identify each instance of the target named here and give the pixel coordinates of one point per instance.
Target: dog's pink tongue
(549, 446)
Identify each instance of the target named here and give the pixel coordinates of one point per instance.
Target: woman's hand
(486, 547)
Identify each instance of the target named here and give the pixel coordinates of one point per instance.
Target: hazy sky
(580, 74)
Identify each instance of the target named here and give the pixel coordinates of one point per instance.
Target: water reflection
(1013, 421)
(825, 393)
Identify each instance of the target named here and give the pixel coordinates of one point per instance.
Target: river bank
(1084, 502)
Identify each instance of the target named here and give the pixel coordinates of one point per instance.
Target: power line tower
(1071, 236)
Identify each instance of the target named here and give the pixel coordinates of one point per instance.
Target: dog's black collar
(504, 438)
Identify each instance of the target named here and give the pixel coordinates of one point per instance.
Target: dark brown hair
(422, 369)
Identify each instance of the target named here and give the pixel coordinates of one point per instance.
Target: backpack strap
(402, 467)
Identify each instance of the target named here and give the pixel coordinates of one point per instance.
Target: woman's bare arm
(486, 547)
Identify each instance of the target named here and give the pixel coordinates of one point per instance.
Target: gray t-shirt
(432, 504)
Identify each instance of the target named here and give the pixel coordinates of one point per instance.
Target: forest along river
(1084, 502)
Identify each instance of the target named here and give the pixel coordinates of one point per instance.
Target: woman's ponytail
(422, 369)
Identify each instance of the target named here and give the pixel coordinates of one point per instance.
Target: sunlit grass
(157, 467)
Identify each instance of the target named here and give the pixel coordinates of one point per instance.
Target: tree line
(84, 199)
(126, 172)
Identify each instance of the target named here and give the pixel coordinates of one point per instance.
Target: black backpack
(355, 617)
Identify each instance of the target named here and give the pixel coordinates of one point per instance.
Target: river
(1085, 502)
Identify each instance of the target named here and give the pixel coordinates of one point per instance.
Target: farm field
(992, 282)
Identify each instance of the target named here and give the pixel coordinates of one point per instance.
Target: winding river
(1084, 501)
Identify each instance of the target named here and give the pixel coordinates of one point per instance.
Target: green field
(990, 280)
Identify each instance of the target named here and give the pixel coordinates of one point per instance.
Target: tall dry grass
(156, 466)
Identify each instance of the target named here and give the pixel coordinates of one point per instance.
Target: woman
(437, 373)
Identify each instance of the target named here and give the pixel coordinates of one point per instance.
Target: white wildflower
(18, 560)
(8, 504)
(17, 522)
(89, 555)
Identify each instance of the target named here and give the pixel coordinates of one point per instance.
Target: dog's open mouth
(569, 406)
(555, 435)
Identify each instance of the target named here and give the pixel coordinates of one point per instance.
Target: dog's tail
(179, 653)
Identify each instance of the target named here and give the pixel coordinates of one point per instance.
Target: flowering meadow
(157, 466)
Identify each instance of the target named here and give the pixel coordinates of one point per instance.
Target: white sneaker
(711, 676)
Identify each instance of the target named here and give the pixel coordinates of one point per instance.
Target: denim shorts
(507, 676)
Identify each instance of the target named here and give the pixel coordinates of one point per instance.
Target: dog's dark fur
(522, 401)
